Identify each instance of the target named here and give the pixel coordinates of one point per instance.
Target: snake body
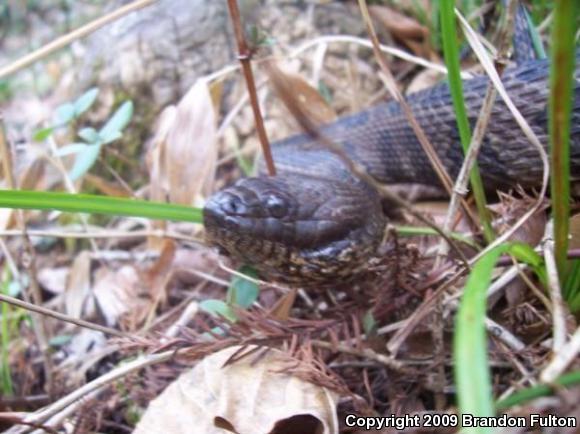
(316, 222)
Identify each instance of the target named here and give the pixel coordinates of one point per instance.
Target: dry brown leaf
(190, 153)
(105, 187)
(117, 293)
(78, 287)
(159, 184)
(30, 175)
(156, 155)
(157, 277)
(188, 261)
(314, 105)
(53, 279)
(281, 310)
(216, 90)
(33, 176)
(399, 25)
(250, 396)
(510, 209)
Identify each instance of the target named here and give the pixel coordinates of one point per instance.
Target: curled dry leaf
(30, 174)
(159, 184)
(117, 292)
(191, 152)
(510, 209)
(183, 157)
(156, 155)
(252, 395)
(106, 187)
(53, 279)
(402, 27)
(314, 105)
(158, 276)
(78, 287)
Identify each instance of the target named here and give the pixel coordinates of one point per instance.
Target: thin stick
(160, 233)
(67, 39)
(366, 353)
(60, 316)
(244, 57)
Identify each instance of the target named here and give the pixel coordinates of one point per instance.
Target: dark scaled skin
(316, 223)
(297, 232)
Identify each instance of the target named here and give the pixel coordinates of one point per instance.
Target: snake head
(297, 229)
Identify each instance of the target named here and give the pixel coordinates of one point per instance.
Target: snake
(315, 222)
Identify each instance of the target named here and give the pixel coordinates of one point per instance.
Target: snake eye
(276, 206)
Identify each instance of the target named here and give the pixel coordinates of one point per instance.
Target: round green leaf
(63, 114)
(85, 101)
(42, 134)
(89, 135)
(243, 292)
(218, 308)
(117, 122)
(84, 161)
(73, 148)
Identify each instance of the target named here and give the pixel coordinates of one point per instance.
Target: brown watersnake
(315, 222)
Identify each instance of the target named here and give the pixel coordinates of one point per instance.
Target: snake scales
(315, 222)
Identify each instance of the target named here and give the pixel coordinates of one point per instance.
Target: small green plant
(471, 366)
(525, 395)
(242, 293)
(88, 150)
(8, 324)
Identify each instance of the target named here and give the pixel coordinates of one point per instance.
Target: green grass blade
(536, 38)
(525, 395)
(94, 204)
(413, 231)
(472, 372)
(472, 376)
(451, 54)
(560, 106)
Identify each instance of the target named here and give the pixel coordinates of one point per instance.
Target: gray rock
(158, 51)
